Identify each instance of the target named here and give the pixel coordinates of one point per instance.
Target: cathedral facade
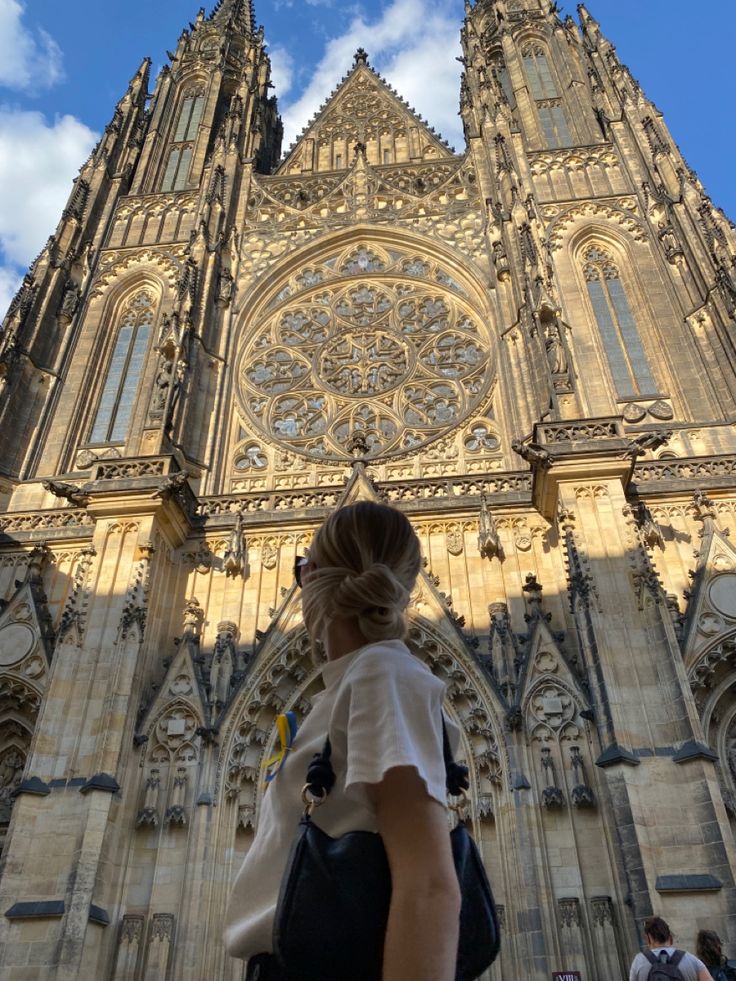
(529, 348)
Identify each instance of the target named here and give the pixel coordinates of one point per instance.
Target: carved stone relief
(399, 362)
(619, 210)
(173, 735)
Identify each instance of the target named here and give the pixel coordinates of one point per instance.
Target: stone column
(160, 943)
(605, 940)
(646, 718)
(65, 839)
(569, 914)
(130, 944)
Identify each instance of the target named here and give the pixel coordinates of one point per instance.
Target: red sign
(566, 976)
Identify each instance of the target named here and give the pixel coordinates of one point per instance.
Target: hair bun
(376, 598)
(380, 541)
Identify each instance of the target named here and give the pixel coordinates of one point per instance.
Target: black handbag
(334, 900)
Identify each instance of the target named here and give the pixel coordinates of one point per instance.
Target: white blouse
(382, 708)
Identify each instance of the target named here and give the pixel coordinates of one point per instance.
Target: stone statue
(532, 453)
(556, 356)
(69, 492)
(12, 763)
(732, 759)
(69, 303)
(489, 544)
(163, 384)
(235, 555)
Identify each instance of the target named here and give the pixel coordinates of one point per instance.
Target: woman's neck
(341, 637)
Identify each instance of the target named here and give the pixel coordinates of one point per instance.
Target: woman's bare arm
(423, 923)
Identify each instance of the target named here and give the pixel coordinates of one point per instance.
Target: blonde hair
(366, 559)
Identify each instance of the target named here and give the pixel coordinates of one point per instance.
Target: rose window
(393, 359)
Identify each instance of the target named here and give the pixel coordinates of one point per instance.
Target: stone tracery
(371, 342)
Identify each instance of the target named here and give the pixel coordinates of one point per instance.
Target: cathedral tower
(528, 347)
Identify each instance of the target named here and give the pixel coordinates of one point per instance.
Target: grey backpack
(665, 968)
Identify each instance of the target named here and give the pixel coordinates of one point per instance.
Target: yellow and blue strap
(286, 729)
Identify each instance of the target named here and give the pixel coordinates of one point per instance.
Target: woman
(709, 949)
(382, 710)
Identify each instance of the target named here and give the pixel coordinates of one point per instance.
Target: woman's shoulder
(390, 659)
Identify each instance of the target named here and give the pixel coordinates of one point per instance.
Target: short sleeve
(394, 718)
(639, 968)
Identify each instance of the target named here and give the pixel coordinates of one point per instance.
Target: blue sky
(63, 66)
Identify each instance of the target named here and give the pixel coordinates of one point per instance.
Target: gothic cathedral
(529, 348)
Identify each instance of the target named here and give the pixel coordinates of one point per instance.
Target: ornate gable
(173, 732)
(26, 633)
(363, 110)
(26, 643)
(182, 685)
(711, 611)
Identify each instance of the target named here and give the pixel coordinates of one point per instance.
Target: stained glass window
(554, 126)
(543, 90)
(536, 67)
(189, 117)
(176, 174)
(125, 371)
(177, 169)
(625, 353)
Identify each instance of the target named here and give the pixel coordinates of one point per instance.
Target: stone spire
(238, 13)
(586, 18)
(138, 86)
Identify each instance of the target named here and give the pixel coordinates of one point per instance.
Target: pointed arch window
(125, 371)
(543, 89)
(627, 359)
(179, 161)
(538, 75)
(554, 126)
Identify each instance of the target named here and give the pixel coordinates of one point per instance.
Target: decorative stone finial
(705, 510)
(489, 544)
(193, 618)
(650, 531)
(533, 591)
(357, 446)
(235, 557)
(361, 57)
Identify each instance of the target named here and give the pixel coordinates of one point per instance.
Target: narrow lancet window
(554, 126)
(179, 160)
(627, 360)
(125, 371)
(539, 77)
(543, 91)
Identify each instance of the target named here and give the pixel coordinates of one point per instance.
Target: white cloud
(28, 61)
(414, 43)
(282, 70)
(38, 162)
(281, 4)
(10, 281)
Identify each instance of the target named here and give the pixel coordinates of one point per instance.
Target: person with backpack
(663, 961)
(710, 950)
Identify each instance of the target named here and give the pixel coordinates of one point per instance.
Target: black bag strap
(457, 777)
(321, 775)
(674, 959)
